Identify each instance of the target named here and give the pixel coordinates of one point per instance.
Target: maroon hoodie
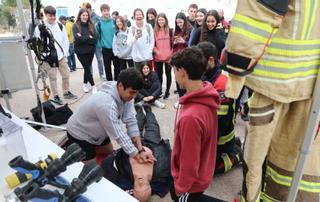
(195, 140)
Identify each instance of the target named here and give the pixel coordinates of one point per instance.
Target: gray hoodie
(104, 114)
(120, 46)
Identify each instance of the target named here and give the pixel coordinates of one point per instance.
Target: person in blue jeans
(71, 58)
(106, 29)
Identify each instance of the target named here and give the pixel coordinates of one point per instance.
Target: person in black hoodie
(84, 46)
(151, 87)
(209, 32)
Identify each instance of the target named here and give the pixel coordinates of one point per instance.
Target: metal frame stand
(30, 59)
(307, 143)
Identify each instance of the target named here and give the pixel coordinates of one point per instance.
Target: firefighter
(229, 152)
(274, 48)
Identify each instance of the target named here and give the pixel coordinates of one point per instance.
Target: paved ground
(223, 186)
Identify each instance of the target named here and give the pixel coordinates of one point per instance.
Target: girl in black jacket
(85, 40)
(151, 90)
(209, 32)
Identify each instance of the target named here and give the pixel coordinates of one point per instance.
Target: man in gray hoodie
(104, 115)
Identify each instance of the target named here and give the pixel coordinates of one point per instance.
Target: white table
(38, 146)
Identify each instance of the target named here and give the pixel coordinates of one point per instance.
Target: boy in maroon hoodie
(195, 134)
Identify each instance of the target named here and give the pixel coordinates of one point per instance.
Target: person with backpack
(106, 30)
(120, 46)
(141, 37)
(85, 44)
(162, 50)
(61, 44)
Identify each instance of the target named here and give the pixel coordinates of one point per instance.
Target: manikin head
(142, 174)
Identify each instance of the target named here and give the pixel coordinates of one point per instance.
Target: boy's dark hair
(130, 78)
(195, 6)
(192, 60)
(49, 10)
(116, 13)
(208, 50)
(62, 17)
(104, 6)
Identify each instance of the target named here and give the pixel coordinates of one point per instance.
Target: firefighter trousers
(276, 132)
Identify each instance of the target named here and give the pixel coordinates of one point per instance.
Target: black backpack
(54, 116)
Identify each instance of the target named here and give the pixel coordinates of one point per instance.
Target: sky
(169, 7)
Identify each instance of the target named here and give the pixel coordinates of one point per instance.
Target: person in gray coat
(103, 115)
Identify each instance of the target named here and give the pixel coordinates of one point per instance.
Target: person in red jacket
(195, 134)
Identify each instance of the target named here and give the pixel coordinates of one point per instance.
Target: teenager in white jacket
(141, 37)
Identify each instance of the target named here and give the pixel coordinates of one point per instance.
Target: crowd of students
(117, 42)
(140, 52)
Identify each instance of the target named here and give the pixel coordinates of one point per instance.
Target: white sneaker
(159, 104)
(94, 90)
(176, 105)
(85, 88)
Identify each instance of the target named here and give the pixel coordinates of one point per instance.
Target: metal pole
(30, 59)
(307, 143)
(44, 124)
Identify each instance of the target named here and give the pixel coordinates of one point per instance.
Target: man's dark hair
(208, 50)
(192, 60)
(131, 78)
(195, 6)
(62, 17)
(116, 13)
(49, 10)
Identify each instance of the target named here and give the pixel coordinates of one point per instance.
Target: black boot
(166, 95)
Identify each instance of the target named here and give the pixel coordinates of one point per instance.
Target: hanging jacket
(86, 43)
(120, 46)
(195, 140)
(281, 40)
(163, 45)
